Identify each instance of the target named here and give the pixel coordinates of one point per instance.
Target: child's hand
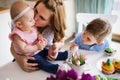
(40, 45)
(52, 52)
(40, 37)
(72, 46)
(42, 42)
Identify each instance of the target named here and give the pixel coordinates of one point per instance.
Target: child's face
(88, 38)
(28, 20)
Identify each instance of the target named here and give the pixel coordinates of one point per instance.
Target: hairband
(18, 16)
(21, 14)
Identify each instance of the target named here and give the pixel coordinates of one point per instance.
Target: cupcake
(108, 67)
(116, 64)
(109, 51)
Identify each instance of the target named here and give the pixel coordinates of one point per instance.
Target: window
(116, 11)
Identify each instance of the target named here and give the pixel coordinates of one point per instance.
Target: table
(12, 69)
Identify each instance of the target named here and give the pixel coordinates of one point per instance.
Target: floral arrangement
(63, 75)
(76, 58)
(73, 75)
(88, 77)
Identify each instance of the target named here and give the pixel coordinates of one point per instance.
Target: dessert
(108, 67)
(109, 51)
(116, 64)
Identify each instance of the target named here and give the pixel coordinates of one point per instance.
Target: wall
(7, 3)
(70, 13)
(5, 55)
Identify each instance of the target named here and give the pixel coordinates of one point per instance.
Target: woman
(50, 21)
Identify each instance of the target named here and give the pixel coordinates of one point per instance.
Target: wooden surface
(3, 10)
(116, 37)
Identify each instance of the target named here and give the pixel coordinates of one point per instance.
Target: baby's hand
(42, 40)
(40, 45)
(40, 37)
(72, 46)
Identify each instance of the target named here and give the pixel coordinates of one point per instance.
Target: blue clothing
(44, 64)
(94, 47)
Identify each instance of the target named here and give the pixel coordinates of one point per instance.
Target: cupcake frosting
(108, 66)
(116, 64)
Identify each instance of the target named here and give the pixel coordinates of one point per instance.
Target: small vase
(80, 69)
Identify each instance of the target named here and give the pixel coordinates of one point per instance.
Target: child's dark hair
(99, 28)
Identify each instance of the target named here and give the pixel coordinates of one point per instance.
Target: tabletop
(12, 71)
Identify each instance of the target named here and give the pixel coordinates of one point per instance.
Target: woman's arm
(22, 61)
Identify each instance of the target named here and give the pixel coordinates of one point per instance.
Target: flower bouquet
(76, 60)
(73, 75)
(64, 75)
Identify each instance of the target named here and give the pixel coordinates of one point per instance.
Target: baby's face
(88, 38)
(28, 20)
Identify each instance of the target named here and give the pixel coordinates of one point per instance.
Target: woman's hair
(99, 28)
(58, 17)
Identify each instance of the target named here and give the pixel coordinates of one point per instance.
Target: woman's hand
(23, 61)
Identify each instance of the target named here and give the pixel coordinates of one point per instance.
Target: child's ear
(18, 24)
(100, 42)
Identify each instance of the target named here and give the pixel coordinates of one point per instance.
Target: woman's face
(42, 15)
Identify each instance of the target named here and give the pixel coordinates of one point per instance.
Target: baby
(94, 36)
(24, 35)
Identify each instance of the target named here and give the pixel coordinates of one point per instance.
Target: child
(24, 35)
(25, 39)
(94, 36)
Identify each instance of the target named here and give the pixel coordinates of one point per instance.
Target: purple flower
(51, 78)
(61, 75)
(72, 74)
(87, 77)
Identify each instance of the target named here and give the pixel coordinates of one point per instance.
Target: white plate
(99, 64)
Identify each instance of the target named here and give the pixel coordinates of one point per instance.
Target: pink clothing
(28, 38)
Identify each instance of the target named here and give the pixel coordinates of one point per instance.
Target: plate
(99, 64)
